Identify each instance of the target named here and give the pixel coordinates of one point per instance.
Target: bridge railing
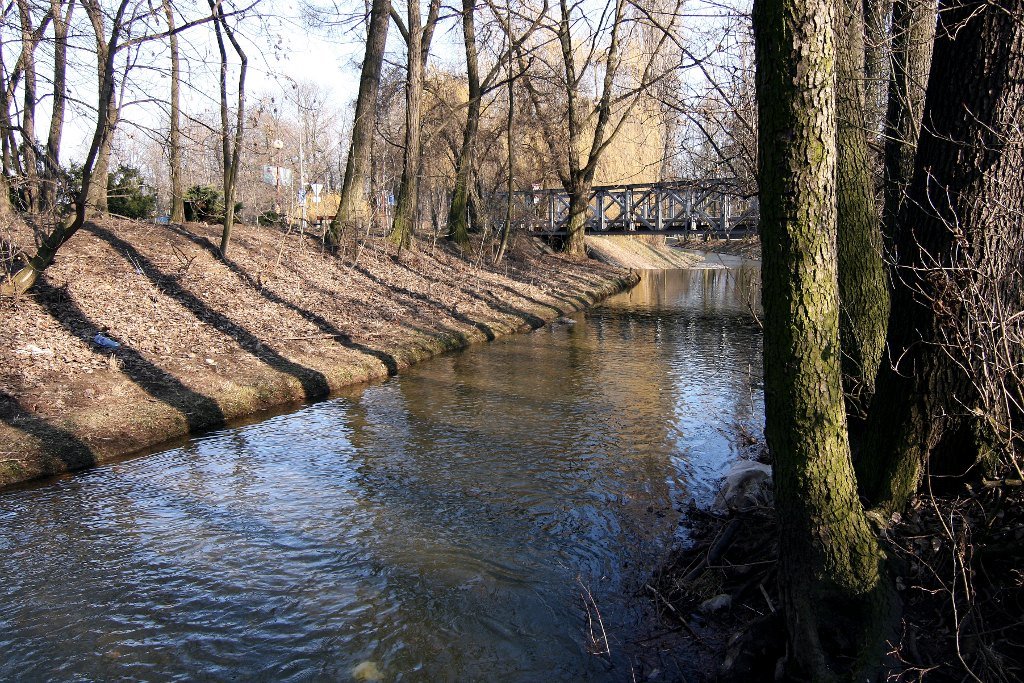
(716, 207)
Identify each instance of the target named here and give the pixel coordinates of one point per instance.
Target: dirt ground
(204, 340)
(747, 247)
(638, 253)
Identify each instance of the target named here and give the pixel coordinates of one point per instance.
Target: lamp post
(277, 144)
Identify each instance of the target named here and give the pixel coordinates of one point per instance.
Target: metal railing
(705, 207)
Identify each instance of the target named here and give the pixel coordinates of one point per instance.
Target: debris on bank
(140, 332)
(957, 562)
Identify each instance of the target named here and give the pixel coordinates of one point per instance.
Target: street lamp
(277, 144)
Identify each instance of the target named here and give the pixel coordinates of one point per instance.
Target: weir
(715, 208)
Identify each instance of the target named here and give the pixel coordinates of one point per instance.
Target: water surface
(467, 520)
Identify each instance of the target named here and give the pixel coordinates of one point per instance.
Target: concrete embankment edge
(45, 447)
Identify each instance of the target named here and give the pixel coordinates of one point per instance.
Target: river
(491, 514)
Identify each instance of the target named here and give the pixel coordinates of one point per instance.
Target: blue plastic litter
(105, 342)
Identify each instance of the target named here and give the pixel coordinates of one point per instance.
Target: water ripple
(439, 524)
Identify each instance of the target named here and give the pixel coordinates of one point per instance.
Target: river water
(491, 514)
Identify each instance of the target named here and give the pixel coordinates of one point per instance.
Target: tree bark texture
(958, 243)
(174, 134)
(30, 192)
(863, 284)
(458, 214)
(98, 187)
(61, 22)
(408, 192)
(913, 35)
(354, 206)
(231, 150)
(876, 61)
(832, 576)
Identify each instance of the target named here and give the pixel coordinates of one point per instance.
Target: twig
(682, 620)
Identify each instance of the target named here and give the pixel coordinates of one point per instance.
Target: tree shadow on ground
(319, 321)
(199, 410)
(494, 303)
(429, 302)
(314, 383)
(61, 444)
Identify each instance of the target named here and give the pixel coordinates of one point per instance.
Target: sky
(280, 50)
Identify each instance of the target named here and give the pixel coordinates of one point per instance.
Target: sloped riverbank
(203, 341)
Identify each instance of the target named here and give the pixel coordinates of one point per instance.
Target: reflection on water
(441, 525)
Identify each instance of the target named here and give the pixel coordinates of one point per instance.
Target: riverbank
(204, 341)
(639, 253)
(747, 247)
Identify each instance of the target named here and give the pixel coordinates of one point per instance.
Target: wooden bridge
(714, 208)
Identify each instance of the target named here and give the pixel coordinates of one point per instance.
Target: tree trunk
(836, 596)
(506, 229)
(353, 206)
(863, 286)
(23, 280)
(98, 187)
(231, 151)
(579, 207)
(60, 97)
(913, 35)
(30, 193)
(174, 135)
(458, 221)
(408, 192)
(957, 278)
(876, 61)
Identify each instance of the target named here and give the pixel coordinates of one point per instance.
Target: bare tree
(587, 124)
(417, 35)
(231, 148)
(61, 11)
(25, 277)
(174, 134)
(941, 402)
(353, 204)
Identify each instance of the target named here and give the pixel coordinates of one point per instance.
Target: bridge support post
(691, 224)
(602, 220)
(724, 199)
(659, 216)
(627, 201)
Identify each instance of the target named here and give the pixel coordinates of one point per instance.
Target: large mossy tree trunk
(863, 283)
(354, 204)
(958, 282)
(837, 599)
(458, 214)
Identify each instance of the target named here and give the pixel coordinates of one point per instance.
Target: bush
(127, 194)
(205, 204)
(271, 218)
